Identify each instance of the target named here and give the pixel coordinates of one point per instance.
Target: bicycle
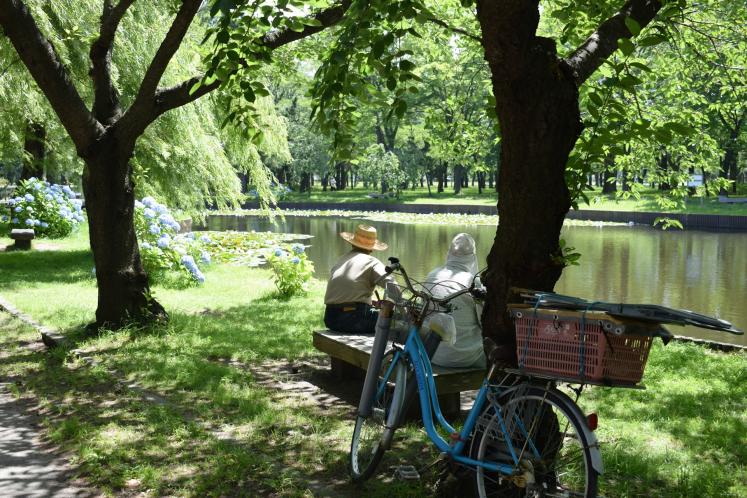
(523, 436)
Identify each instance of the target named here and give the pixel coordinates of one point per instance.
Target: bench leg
(450, 405)
(21, 245)
(342, 370)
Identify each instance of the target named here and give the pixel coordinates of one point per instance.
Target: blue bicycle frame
(415, 351)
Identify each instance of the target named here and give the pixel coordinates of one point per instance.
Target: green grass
(469, 196)
(684, 436)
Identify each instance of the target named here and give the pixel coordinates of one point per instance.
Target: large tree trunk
(124, 293)
(34, 149)
(537, 105)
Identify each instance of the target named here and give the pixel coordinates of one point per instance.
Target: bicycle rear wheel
(548, 438)
(373, 435)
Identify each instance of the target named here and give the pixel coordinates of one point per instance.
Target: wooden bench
(22, 238)
(349, 356)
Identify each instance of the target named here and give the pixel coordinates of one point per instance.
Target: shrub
(291, 269)
(167, 255)
(278, 190)
(51, 210)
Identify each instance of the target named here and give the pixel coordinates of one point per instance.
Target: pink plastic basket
(572, 346)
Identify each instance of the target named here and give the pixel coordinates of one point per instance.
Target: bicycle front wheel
(548, 439)
(373, 435)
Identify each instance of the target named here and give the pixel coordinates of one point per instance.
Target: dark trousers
(354, 318)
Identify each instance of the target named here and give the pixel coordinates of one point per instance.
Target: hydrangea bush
(51, 210)
(291, 269)
(165, 253)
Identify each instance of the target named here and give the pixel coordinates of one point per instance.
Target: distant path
(719, 222)
(29, 468)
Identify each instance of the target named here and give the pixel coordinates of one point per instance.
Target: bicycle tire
(372, 435)
(543, 417)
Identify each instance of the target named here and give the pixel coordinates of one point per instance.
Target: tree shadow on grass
(125, 443)
(20, 268)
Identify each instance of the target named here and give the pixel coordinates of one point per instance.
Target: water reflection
(701, 271)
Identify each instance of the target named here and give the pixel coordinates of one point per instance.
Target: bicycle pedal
(406, 473)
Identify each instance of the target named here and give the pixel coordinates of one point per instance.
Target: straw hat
(365, 238)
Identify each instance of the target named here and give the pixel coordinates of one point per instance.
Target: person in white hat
(457, 274)
(351, 284)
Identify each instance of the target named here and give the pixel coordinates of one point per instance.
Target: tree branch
(603, 42)
(142, 111)
(460, 31)
(106, 99)
(327, 17)
(39, 56)
(178, 95)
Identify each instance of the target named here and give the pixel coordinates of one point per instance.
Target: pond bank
(689, 221)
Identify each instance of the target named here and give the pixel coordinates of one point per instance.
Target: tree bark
(34, 147)
(609, 176)
(539, 97)
(458, 179)
(537, 106)
(124, 293)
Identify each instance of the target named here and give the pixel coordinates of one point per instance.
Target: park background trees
(407, 75)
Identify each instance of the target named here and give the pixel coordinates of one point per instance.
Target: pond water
(701, 271)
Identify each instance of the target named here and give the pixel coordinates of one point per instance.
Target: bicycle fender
(591, 439)
(569, 405)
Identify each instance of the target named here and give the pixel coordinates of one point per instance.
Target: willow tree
(105, 133)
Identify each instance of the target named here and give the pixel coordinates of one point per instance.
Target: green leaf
(652, 40)
(626, 46)
(195, 87)
(632, 26)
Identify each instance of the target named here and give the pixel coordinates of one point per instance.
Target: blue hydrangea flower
(205, 239)
(164, 241)
(279, 252)
(11, 202)
(189, 261)
(30, 209)
(37, 186)
(14, 221)
(145, 245)
(29, 222)
(154, 229)
(296, 260)
(149, 201)
(49, 197)
(37, 222)
(149, 213)
(68, 191)
(161, 209)
(205, 257)
(18, 209)
(297, 248)
(44, 224)
(4, 219)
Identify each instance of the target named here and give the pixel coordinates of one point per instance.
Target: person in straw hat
(351, 284)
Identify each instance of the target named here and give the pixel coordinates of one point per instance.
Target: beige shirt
(353, 278)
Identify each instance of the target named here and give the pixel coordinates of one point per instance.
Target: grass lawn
(223, 431)
(489, 197)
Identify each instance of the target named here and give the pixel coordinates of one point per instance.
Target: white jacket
(455, 275)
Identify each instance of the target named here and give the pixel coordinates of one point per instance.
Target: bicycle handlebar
(443, 301)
